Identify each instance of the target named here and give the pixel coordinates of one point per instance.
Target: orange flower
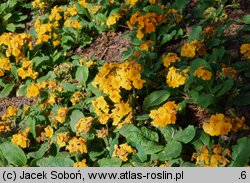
(203, 73)
(164, 115)
(170, 58)
(218, 125)
(174, 78)
(245, 50)
(190, 49)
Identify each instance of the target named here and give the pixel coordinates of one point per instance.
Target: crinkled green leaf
(6, 90)
(241, 153)
(171, 151)
(110, 162)
(55, 162)
(155, 98)
(185, 135)
(13, 154)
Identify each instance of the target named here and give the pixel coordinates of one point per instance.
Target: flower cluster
(170, 58)
(77, 145)
(16, 44)
(60, 116)
(164, 115)
(173, 15)
(4, 65)
(80, 163)
(216, 157)
(221, 125)
(62, 139)
(113, 19)
(202, 73)
(84, 124)
(123, 151)
(72, 23)
(101, 108)
(146, 23)
(49, 131)
(191, 49)
(71, 104)
(76, 97)
(33, 90)
(121, 113)
(10, 112)
(229, 71)
(4, 127)
(114, 76)
(175, 78)
(43, 31)
(245, 50)
(39, 4)
(26, 70)
(21, 138)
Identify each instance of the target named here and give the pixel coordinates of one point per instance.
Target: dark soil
(108, 47)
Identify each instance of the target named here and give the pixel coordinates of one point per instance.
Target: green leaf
(225, 87)
(112, 143)
(38, 61)
(185, 135)
(171, 151)
(246, 19)
(68, 87)
(155, 98)
(94, 90)
(14, 72)
(168, 132)
(195, 34)
(48, 77)
(13, 154)
(152, 148)
(11, 27)
(101, 17)
(110, 162)
(153, 8)
(31, 123)
(58, 57)
(3, 161)
(6, 90)
(205, 100)
(201, 139)
(217, 54)
(6, 17)
(12, 3)
(95, 155)
(167, 37)
(22, 90)
(127, 54)
(242, 99)
(82, 74)
(55, 162)
(74, 118)
(142, 140)
(142, 117)
(149, 134)
(180, 4)
(241, 153)
(40, 152)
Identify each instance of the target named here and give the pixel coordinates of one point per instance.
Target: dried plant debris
(18, 102)
(108, 47)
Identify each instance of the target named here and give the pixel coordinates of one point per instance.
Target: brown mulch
(18, 102)
(108, 47)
